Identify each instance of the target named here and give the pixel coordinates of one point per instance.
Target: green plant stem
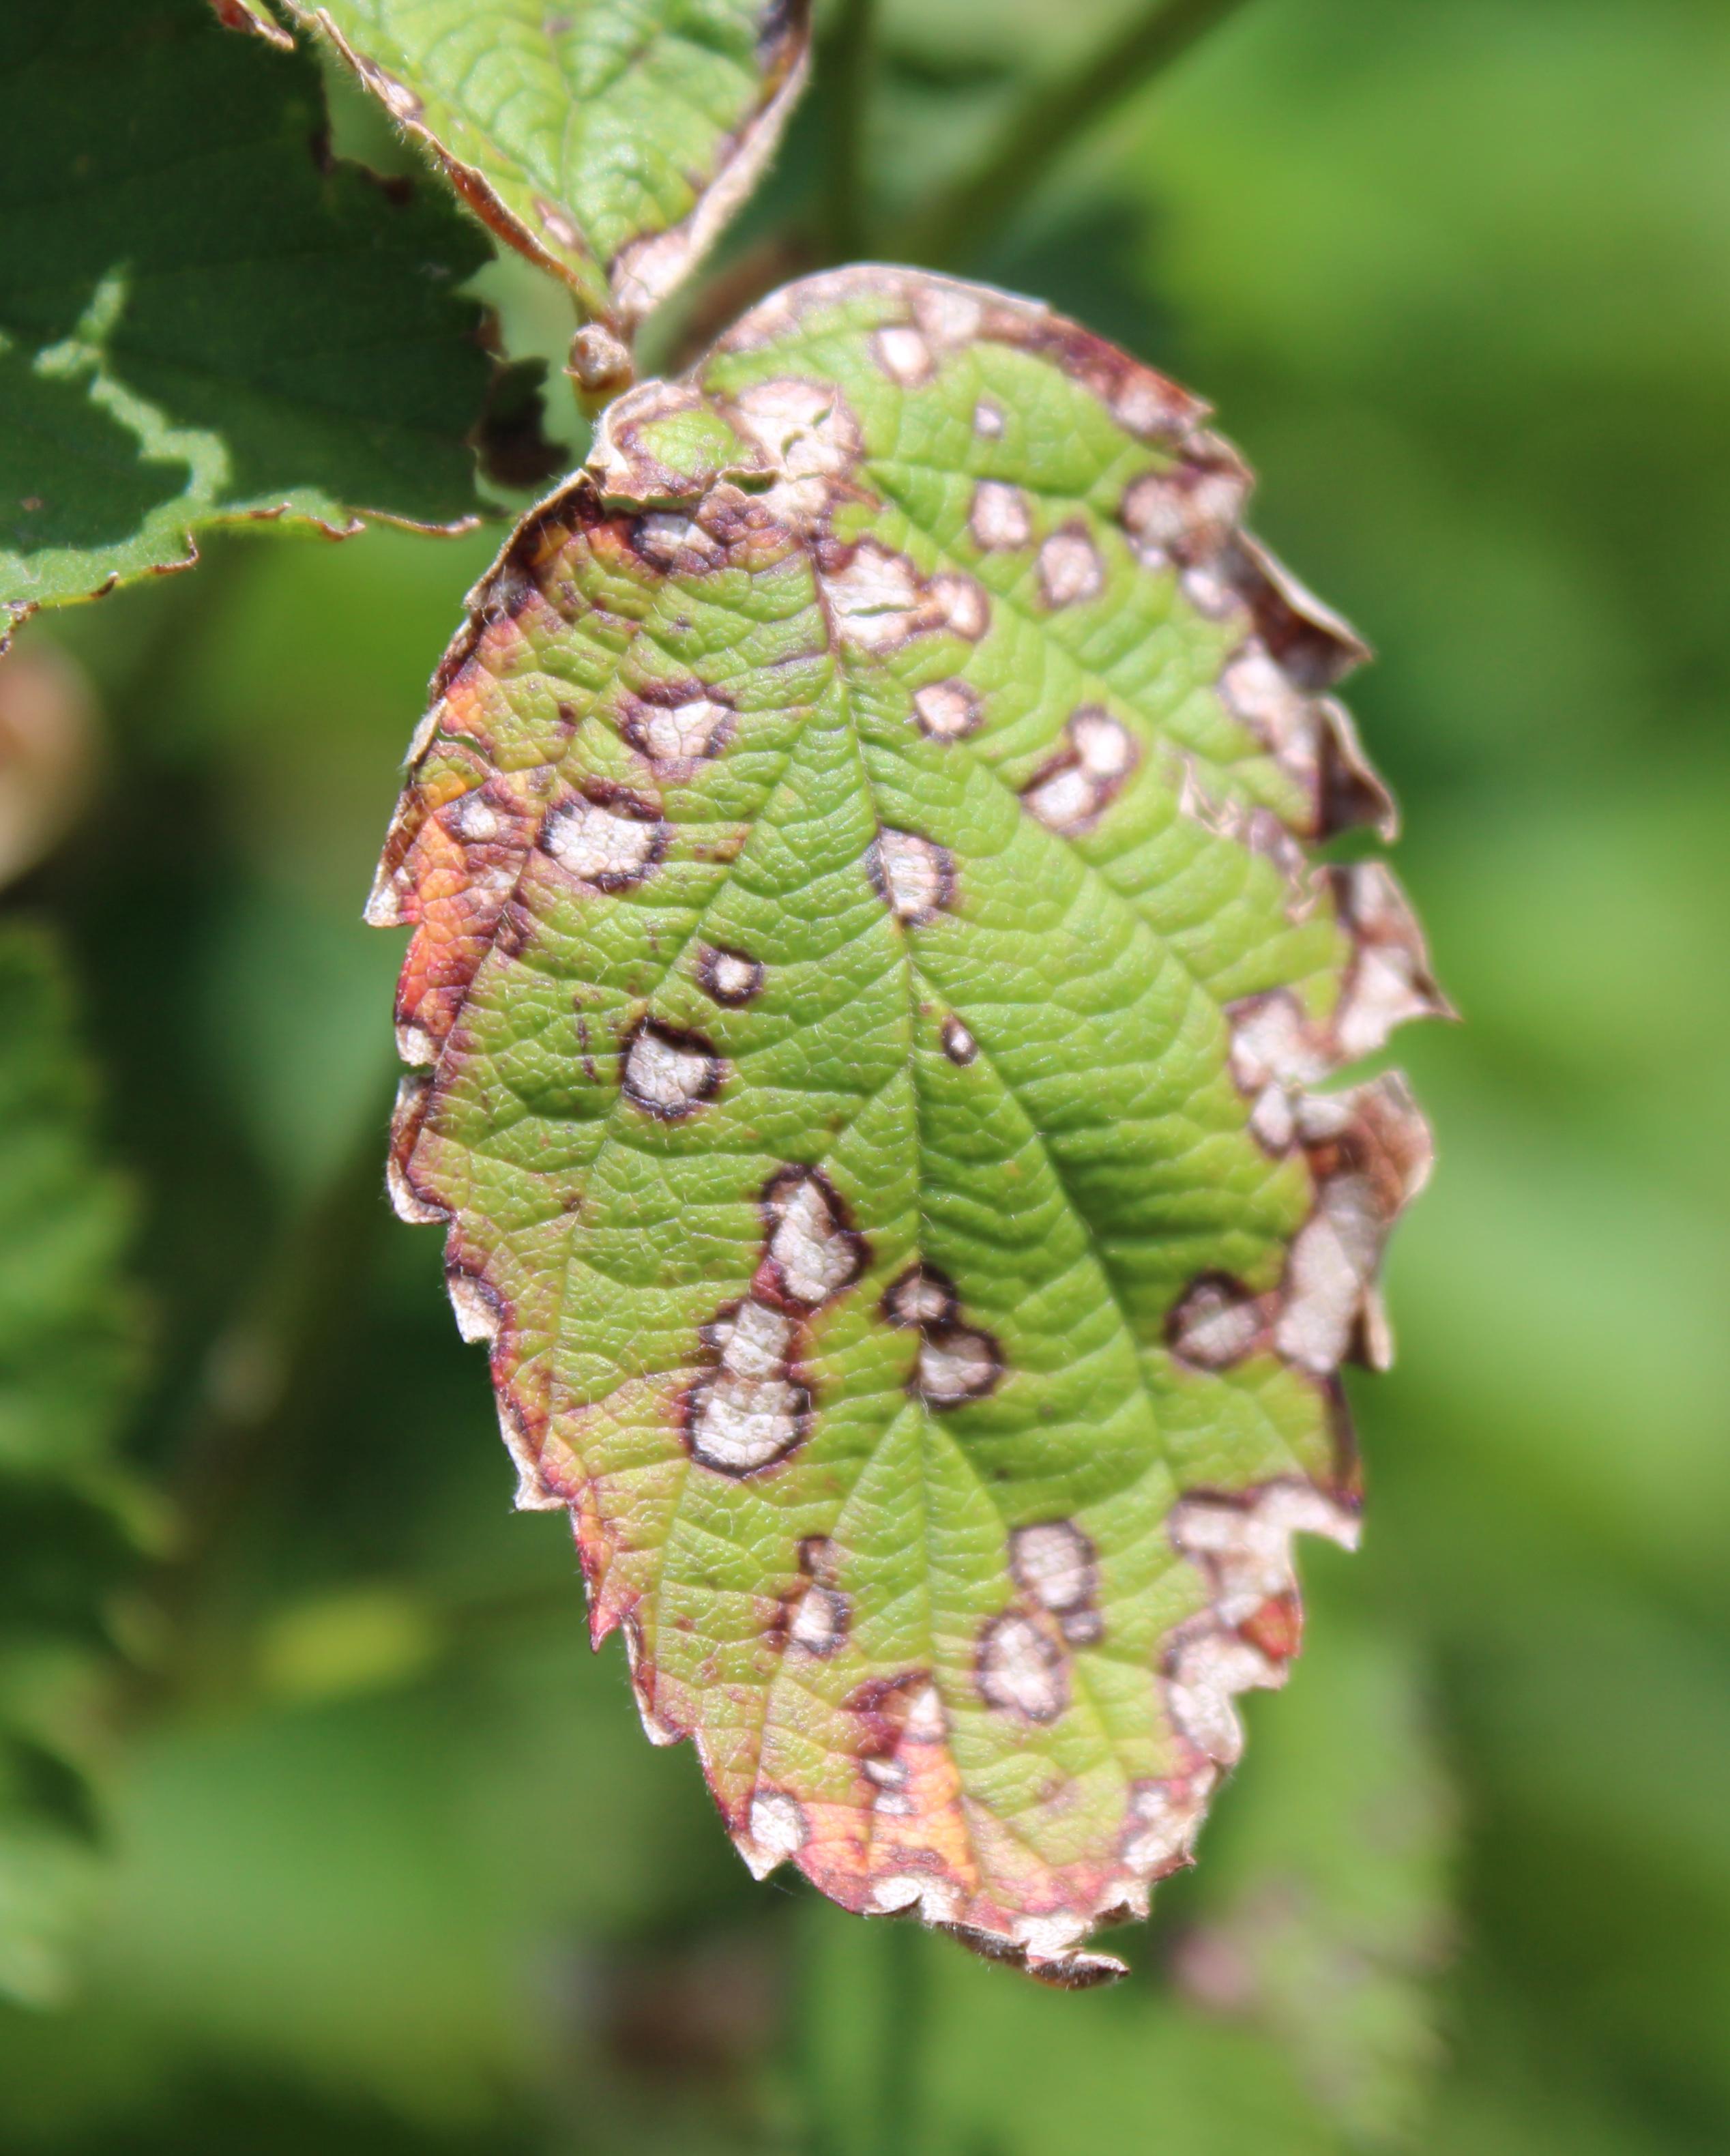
(1048, 122)
(850, 59)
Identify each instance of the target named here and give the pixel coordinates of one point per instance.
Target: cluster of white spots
(1215, 1325)
(811, 441)
(1162, 1819)
(473, 818)
(1076, 787)
(946, 711)
(903, 355)
(919, 1297)
(1056, 1562)
(1390, 982)
(611, 844)
(1070, 569)
(961, 605)
(729, 976)
(478, 1307)
(777, 1831)
(670, 1074)
(1186, 514)
(1021, 1670)
(956, 1365)
(752, 1413)
(815, 1255)
(696, 727)
(820, 1620)
(879, 600)
(558, 223)
(914, 877)
(987, 419)
(1000, 519)
(959, 1046)
(663, 536)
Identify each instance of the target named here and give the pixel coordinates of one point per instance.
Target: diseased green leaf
(872, 994)
(67, 1348)
(609, 140)
(201, 316)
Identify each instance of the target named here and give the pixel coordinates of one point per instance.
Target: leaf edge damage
(1369, 1146)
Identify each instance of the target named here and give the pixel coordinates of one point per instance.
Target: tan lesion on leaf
(1073, 788)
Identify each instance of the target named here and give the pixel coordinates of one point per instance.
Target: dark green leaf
(201, 316)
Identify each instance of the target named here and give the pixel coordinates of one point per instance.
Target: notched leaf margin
(1367, 1148)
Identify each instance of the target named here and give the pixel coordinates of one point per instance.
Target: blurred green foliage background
(390, 1868)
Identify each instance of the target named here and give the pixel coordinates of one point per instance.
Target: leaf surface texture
(872, 998)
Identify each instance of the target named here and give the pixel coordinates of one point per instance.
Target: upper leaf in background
(610, 140)
(201, 317)
(873, 989)
(67, 1512)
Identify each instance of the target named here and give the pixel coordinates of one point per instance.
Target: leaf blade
(204, 317)
(608, 143)
(872, 986)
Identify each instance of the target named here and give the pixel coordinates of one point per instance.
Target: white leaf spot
(598, 845)
(1000, 519)
(962, 605)
(947, 710)
(1069, 568)
(778, 1826)
(915, 878)
(819, 1623)
(729, 976)
(1019, 1669)
(920, 1298)
(1053, 1561)
(903, 355)
(957, 1365)
(816, 1255)
(693, 728)
(670, 1074)
(1215, 1325)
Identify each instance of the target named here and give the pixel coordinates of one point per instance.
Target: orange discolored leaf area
(873, 1013)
